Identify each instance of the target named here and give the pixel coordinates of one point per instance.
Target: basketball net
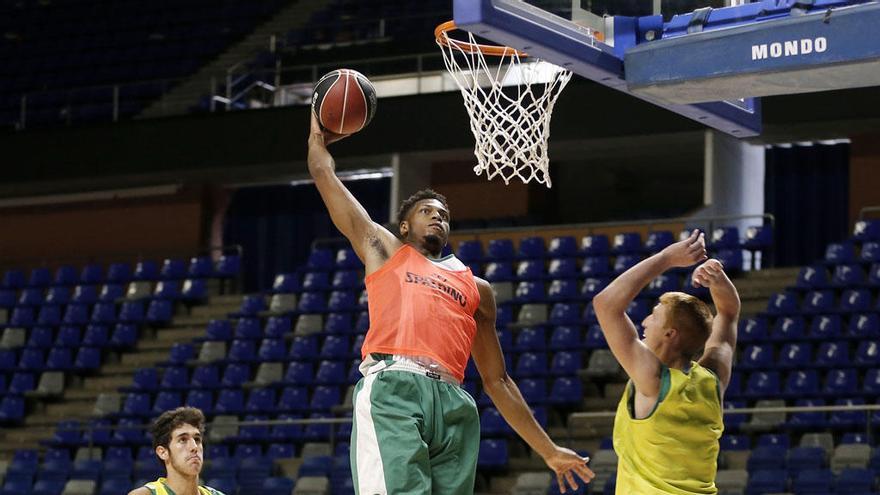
(511, 126)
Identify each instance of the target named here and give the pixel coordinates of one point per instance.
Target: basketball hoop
(511, 127)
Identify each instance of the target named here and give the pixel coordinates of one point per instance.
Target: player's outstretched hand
(687, 252)
(708, 274)
(566, 463)
(321, 136)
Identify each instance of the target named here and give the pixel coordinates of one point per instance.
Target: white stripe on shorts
(370, 472)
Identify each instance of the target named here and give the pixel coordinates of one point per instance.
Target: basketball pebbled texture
(344, 101)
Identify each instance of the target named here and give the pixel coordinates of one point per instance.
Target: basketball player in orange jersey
(415, 430)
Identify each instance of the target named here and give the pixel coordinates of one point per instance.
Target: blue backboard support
(549, 37)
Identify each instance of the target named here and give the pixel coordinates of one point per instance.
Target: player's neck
(672, 358)
(425, 251)
(181, 484)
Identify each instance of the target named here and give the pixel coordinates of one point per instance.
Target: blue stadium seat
(166, 400)
(58, 295)
(566, 390)
(753, 330)
(492, 424)
(813, 277)
(565, 337)
(286, 283)
(595, 266)
(11, 409)
(40, 277)
(293, 399)
(782, 303)
(808, 420)
(335, 347)
(205, 377)
(303, 348)
(146, 270)
(470, 251)
(762, 384)
(832, 354)
(347, 280)
(248, 328)
(874, 275)
(229, 401)
(111, 292)
(228, 266)
(825, 327)
(788, 328)
(530, 270)
(723, 238)
(31, 297)
(68, 336)
(734, 387)
(13, 279)
(499, 271)
(200, 267)
(59, 359)
(272, 350)
(194, 290)
(795, 355)
(160, 312)
(218, 330)
(530, 339)
(626, 243)
(124, 335)
(500, 250)
(202, 399)
(321, 260)
(40, 338)
(118, 273)
(818, 301)
(592, 286)
(312, 302)
(531, 364)
(65, 275)
(342, 300)
(145, 380)
(734, 442)
(841, 383)
(87, 359)
(866, 230)
(566, 363)
(84, 294)
(136, 404)
(48, 487)
(299, 373)
(22, 317)
(766, 457)
(281, 451)
(181, 353)
(132, 312)
(757, 357)
(21, 382)
(251, 305)
(531, 248)
(565, 314)
(639, 309)
(172, 269)
(324, 398)
(840, 253)
(731, 259)
(235, 375)
(866, 325)
(562, 268)
(533, 390)
(175, 378)
(316, 281)
(848, 420)
(868, 354)
(871, 383)
(102, 313)
(7, 298)
(277, 326)
(261, 400)
(595, 245)
(870, 252)
(855, 300)
(664, 283)
(855, 481)
(529, 292)
(331, 373)
(848, 276)
(562, 247)
(815, 481)
(658, 240)
(91, 274)
(31, 360)
(493, 454)
(624, 262)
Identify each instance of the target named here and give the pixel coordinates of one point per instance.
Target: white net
(510, 102)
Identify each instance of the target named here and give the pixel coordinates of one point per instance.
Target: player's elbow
(496, 385)
(603, 303)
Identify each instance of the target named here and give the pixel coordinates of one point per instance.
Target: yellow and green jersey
(674, 450)
(159, 487)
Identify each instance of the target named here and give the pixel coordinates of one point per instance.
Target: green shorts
(412, 433)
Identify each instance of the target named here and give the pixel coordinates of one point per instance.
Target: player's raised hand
(322, 137)
(687, 252)
(708, 274)
(567, 463)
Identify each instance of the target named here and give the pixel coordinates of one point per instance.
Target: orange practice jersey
(418, 308)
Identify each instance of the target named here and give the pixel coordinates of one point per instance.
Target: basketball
(344, 101)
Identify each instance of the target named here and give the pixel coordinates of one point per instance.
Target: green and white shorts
(414, 432)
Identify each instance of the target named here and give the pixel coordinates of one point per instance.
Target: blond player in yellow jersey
(669, 419)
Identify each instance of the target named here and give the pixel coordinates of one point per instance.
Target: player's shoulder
(141, 490)
(212, 491)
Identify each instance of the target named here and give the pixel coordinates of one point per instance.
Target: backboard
(700, 59)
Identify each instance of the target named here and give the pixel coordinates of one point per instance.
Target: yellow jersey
(674, 450)
(159, 487)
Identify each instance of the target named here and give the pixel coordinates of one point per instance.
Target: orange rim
(441, 33)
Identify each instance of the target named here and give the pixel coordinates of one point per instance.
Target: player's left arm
(721, 345)
(507, 398)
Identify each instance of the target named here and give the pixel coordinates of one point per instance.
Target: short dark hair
(411, 201)
(168, 421)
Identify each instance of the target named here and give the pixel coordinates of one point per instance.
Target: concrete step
(28, 434)
(121, 368)
(71, 408)
(140, 359)
(155, 346)
(108, 382)
(182, 334)
(82, 394)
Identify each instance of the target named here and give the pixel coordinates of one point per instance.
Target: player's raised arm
(718, 355)
(372, 242)
(640, 363)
